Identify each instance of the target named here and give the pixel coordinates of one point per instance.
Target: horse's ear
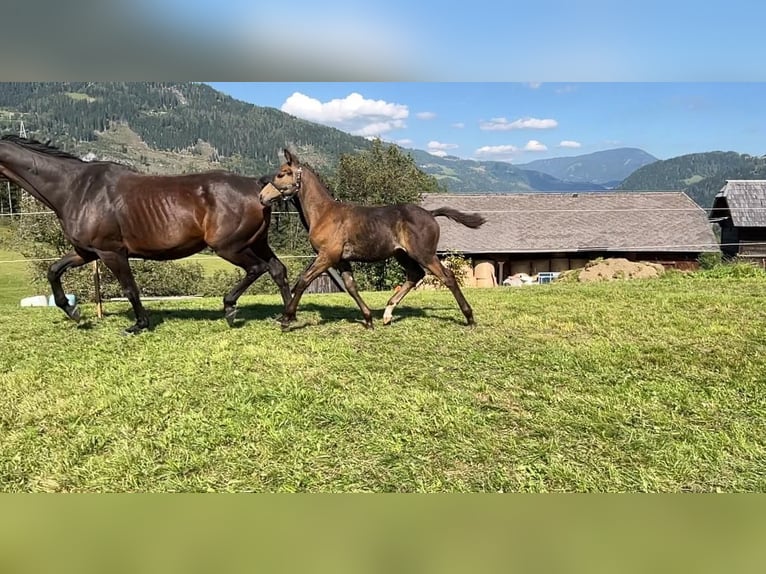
(289, 158)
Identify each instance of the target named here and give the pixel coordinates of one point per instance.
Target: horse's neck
(314, 198)
(42, 177)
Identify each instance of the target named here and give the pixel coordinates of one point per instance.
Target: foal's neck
(315, 198)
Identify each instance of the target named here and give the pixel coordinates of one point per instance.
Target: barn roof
(744, 200)
(572, 222)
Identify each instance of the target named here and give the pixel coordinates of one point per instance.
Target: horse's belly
(165, 248)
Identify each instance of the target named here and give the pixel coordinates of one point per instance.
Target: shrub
(455, 262)
(710, 260)
(154, 279)
(736, 269)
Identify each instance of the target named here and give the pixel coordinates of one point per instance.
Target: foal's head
(286, 183)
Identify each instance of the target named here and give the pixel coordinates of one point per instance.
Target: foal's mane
(41, 147)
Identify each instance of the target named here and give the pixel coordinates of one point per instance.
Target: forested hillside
(700, 175)
(168, 117)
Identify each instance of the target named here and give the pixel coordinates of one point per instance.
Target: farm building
(538, 232)
(740, 210)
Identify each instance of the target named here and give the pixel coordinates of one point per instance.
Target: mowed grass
(651, 385)
(14, 283)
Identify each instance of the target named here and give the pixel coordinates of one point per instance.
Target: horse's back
(188, 211)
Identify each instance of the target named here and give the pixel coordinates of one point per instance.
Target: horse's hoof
(135, 329)
(73, 313)
(368, 326)
(231, 315)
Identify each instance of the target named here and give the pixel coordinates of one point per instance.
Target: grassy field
(14, 284)
(653, 385)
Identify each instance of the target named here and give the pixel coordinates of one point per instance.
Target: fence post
(97, 286)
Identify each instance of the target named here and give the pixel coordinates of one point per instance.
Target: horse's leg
(306, 268)
(414, 273)
(276, 269)
(56, 270)
(253, 266)
(348, 280)
(119, 265)
(448, 278)
(317, 267)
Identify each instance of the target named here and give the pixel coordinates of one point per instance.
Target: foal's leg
(56, 270)
(448, 278)
(253, 266)
(119, 265)
(348, 280)
(414, 273)
(317, 267)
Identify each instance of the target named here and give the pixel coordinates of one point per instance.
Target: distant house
(538, 232)
(740, 210)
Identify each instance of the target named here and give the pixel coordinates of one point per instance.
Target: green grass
(14, 282)
(638, 386)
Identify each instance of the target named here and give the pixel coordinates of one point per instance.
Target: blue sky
(524, 121)
(540, 40)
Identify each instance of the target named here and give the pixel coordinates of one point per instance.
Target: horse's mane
(35, 145)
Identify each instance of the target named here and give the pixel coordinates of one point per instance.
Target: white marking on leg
(388, 314)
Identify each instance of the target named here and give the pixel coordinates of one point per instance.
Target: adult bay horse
(343, 232)
(110, 212)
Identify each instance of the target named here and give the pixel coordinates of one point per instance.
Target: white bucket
(36, 301)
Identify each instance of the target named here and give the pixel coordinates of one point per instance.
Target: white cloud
(458, 125)
(425, 115)
(534, 145)
(440, 149)
(404, 142)
(497, 152)
(353, 114)
(570, 144)
(434, 145)
(502, 124)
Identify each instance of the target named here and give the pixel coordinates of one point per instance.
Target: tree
(382, 175)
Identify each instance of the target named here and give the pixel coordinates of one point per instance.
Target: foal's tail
(472, 220)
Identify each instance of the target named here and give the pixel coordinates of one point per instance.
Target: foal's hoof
(231, 315)
(73, 313)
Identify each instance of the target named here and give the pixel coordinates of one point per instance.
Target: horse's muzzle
(269, 194)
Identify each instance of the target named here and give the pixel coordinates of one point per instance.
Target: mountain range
(592, 172)
(168, 127)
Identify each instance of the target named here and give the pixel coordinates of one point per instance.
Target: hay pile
(614, 269)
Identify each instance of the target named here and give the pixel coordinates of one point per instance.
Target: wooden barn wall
(751, 241)
(505, 265)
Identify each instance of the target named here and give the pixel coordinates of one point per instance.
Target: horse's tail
(472, 220)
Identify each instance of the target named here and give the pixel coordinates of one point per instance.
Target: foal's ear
(289, 158)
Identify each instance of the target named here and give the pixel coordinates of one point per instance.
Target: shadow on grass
(268, 312)
(352, 314)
